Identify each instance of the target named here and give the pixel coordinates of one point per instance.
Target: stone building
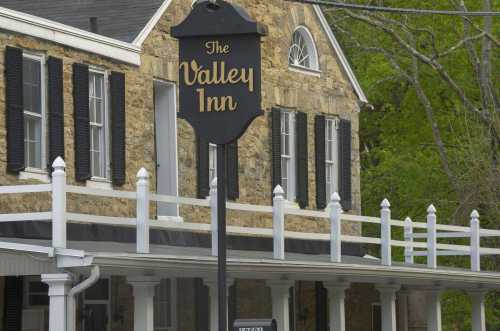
(96, 83)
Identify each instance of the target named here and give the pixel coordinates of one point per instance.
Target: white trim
(340, 54)
(66, 35)
(304, 70)
(141, 37)
(99, 183)
(311, 48)
(36, 174)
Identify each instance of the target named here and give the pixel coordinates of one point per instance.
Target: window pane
(99, 111)
(98, 291)
(32, 85)
(92, 110)
(98, 85)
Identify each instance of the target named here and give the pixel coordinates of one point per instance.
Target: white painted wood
(16, 189)
(166, 145)
(180, 200)
(106, 220)
(433, 302)
(251, 208)
(336, 304)
(478, 311)
(43, 216)
(335, 229)
(101, 192)
(142, 212)
(280, 294)
(453, 234)
(213, 217)
(58, 291)
(408, 232)
(214, 303)
(475, 242)
(79, 288)
(388, 306)
(59, 227)
(70, 36)
(17, 263)
(278, 223)
(431, 237)
(143, 291)
(385, 233)
(141, 37)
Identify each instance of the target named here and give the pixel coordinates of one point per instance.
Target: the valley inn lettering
(216, 74)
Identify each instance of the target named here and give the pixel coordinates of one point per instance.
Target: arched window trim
(311, 47)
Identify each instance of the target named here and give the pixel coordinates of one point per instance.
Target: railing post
(142, 212)
(409, 241)
(335, 228)
(475, 242)
(213, 216)
(279, 223)
(431, 237)
(385, 232)
(59, 203)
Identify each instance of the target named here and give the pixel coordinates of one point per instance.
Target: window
(36, 292)
(99, 140)
(34, 111)
(164, 305)
(96, 306)
(376, 317)
(288, 154)
(302, 53)
(212, 162)
(331, 157)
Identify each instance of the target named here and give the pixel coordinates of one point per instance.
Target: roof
(118, 19)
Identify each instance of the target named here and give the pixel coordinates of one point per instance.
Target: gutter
(95, 273)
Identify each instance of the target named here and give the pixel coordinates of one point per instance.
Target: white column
(388, 306)
(59, 203)
(59, 285)
(478, 314)
(336, 304)
(142, 231)
(433, 302)
(144, 292)
(279, 223)
(280, 294)
(335, 229)
(214, 301)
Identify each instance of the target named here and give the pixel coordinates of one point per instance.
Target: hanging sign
(219, 70)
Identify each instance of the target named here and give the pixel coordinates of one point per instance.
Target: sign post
(219, 93)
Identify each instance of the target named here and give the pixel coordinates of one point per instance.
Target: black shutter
(319, 144)
(81, 119)
(345, 164)
(56, 109)
(201, 304)
(302, 160)
(276, 147)
(233, 188)
(13, 303)
(117, 89)
(14, 109)
(202, 159)
(321, 307)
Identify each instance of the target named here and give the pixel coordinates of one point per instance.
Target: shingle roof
(118, 19)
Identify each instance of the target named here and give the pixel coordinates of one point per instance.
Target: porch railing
(429, 248)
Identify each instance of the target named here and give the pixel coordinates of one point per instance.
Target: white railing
(429, 248)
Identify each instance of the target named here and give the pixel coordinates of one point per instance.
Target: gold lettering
(201, 98)
(229, 100)
(247, 79)
(216, 47)
(232, 76)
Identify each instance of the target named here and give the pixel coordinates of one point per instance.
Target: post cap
(408, 220)
(385, 204)
(59, 163)
(142, 174)
(213, 183)
(431, 209)
(335, 197)
(278, 190)
(474, 214)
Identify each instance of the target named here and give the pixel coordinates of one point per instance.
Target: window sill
(99, 183)
(305, 71)
(36, 174)
(177, 219)
(291, 205)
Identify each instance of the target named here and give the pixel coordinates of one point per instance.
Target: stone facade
(328, 93)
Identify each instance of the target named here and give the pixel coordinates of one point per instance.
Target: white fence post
(431, 237)
(213, 216)
(409, 241)
(385, 232)
(335, 229)
(475, 242)
(59, 203)
(142, 227)
(279, 223)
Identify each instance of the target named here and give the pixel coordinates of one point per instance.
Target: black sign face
(255, 325)
(219, 71)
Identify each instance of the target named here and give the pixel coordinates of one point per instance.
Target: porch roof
(171, 261)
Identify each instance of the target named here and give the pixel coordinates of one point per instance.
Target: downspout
(71, 304)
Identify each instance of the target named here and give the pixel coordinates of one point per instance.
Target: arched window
(302, 51)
